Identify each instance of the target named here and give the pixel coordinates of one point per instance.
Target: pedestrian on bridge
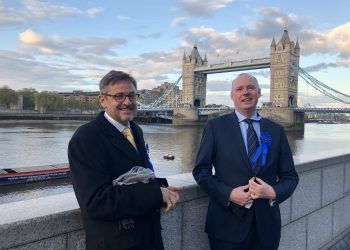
(119, 197)
(254, 173)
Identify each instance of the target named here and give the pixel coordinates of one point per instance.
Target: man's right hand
(241, 195)
(170, 197)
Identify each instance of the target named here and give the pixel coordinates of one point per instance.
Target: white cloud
(320, 101)
(20, 71)
(30, 37)
(33, 39)
(228, 45)
(40, 9)
(74, 47)
(36, 10)
(325, 65)
(254, 40)
(339, 39)
(62, 64)
(123, 18)
(201, 8)
(93, 11)
(271, 22)
(178, 21)
(154, 35)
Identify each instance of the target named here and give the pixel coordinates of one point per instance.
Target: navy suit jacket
(98, 153)
(222, 147)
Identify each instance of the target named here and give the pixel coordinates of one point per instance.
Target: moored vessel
(35, 173)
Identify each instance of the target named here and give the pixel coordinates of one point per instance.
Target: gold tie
(127, 133)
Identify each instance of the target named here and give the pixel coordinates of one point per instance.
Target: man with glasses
(116, 216)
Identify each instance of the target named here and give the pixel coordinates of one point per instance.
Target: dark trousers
(142, 248)
(251, 242)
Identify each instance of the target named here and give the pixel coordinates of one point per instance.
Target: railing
(207, 111)
(324, 110)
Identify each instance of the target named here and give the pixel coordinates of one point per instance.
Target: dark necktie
(252, 143)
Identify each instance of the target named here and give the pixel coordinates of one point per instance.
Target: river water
(32, 143)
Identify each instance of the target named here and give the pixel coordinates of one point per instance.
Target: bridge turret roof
(273, 42)
(285, 37)
(195, 53)
(297, 44)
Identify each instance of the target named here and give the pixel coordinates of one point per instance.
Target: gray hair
(113, 76)
(252, 78)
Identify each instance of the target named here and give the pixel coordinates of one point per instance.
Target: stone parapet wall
(316, 216)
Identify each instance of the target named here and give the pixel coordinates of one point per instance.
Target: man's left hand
(170, 197)
(261, 189)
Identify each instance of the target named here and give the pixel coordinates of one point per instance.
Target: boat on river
(169, 157)
(36, 173)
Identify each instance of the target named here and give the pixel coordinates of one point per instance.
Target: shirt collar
(116, 124)
(255, 116)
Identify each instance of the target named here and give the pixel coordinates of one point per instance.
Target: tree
(72, 103)
(28, 97)
(7, 96)
(96, 105)
(48, 101)
(93, 106)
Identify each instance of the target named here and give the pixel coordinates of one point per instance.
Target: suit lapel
(140, 143)
(237, 136)
(118, 139)
(125, 146)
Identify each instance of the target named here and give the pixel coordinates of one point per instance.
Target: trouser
(251, 242)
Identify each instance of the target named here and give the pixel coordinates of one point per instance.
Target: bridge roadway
(155, 109)
(324, 110)
(258, 63)
(167, 113)
(203, 111)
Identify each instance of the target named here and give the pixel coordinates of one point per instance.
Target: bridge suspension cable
(321, 87)
(159, 103)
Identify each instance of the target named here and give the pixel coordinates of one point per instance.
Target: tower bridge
(283, 63)
(283, 82)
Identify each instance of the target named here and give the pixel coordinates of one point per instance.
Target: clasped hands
(170, 197)
(255, 189)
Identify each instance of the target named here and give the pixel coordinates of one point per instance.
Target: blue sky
(69, 45)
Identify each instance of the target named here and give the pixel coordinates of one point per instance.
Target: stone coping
(15, 212)
(43, 206)
(322, 162)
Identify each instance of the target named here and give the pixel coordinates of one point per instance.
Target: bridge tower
(284, 84)
(193, 84)
(284, 80)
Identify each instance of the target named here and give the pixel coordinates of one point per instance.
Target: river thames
(32, 143)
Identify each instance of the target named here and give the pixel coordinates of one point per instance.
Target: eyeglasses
(121, 97)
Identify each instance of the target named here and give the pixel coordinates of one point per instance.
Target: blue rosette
(148, 158)
(265, 143)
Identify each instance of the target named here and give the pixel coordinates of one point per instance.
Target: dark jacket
(114, 217)
(222, 146)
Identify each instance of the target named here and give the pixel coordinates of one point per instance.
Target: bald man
(254, 173)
